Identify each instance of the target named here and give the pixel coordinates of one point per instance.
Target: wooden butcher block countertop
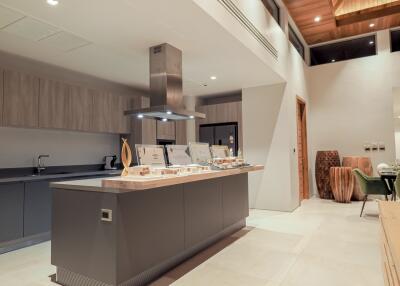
(143, 183)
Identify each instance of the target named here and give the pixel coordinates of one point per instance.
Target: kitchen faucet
(40, 166)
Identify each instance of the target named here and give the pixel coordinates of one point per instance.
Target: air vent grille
(234, 10)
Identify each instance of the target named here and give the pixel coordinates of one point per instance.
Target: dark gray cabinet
(11, 211)
(37, 208)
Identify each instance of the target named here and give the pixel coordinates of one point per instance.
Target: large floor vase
(324, 161)
(362, 163)
(342, 183)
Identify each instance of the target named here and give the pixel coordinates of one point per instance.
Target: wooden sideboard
(389, 214)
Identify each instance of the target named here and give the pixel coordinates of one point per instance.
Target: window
(273, 9)
(395, 40)
(294, 39)
(345, 50)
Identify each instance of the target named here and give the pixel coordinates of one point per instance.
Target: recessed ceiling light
(164, 120)
(52, 2)
(213, 77)
(371, 25)
(371, 42)
(317, 19)
(140, 116)
(191, 116)
(333, 60)
(169, 112)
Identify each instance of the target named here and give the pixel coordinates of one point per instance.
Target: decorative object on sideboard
(126, 157)
(323, 162)
(362, 163)
(342, 183)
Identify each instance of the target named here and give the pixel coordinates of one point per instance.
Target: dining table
(389, 177)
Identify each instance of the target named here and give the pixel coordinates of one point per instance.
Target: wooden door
(21, 99)
(302, 151)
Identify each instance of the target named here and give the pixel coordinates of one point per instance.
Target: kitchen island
(126, 231)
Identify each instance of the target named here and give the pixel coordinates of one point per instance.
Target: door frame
(302, 154)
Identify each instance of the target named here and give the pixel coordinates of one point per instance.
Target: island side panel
(235, 199)
(150, 230)
(81, 242)
(203, 210)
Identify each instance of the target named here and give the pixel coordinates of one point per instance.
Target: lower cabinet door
(37, 214)
(11, 211)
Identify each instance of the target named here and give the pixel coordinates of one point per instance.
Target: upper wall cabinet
(108, 112)
(64, 106)
(80, 108)
(180, 129)
(53, 104)
(1, 96)
(21, 99)
(166, 130)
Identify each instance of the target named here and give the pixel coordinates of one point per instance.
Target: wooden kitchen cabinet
(80, 108)
(1, 96)
(102, 111)
(122, 123)
(166, 130)
(21, 99)
(54, 104)
(180, 129)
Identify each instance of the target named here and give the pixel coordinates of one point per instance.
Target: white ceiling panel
(8, 16)
(65, 41)
(31, 29)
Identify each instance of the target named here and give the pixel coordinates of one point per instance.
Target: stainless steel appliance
(110, 162)
(166, 96)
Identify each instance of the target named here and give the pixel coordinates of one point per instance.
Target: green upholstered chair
(397, 184)
(370, 186)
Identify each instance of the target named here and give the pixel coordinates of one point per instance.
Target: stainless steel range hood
(166, 97)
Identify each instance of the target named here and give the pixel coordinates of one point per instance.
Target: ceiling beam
(368, 14)
(337, 5)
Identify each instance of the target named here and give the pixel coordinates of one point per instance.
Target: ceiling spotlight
(140, 116)
(371, 42)
(371, 25)
(169, 112)
(164, 120)
(191, 116)
(52, 2)
(317, 19)
(213, 77)
(333, 60)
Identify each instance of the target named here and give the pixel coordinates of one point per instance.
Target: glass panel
(273, 9)
(395, 40)
(345, 50)
(294, 39)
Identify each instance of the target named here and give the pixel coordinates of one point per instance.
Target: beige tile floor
(321, 243)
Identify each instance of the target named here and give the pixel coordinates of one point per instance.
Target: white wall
(352, 103)
(269, 112)
(20, 147)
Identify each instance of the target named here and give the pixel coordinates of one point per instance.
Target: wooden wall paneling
(80, 108)
(211, 111)
(1, 96)
(21, 99)
(181, 135)
(53, 104)
(166, 130)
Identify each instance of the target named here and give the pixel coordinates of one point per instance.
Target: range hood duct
(166, 97)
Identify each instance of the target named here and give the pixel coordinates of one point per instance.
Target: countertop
(59, 176)
(128, 184)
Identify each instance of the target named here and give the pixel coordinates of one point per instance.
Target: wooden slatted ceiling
(330, 28)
